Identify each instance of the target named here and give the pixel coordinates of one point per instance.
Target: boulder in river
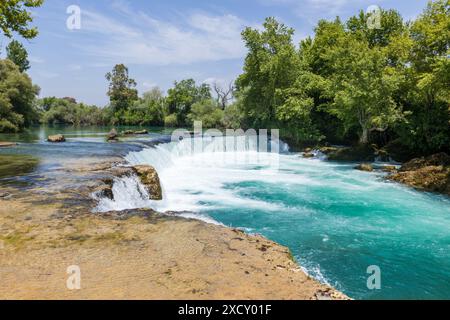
(364, 167)
(113, 135)
(356, 153)
(328, 150)
(149, 177)
(58, 138)
(308, 155)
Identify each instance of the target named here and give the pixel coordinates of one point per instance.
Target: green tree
(18, 54)
(122, 90)
(363, 88)
(15, 17)
(183, 95)
(427, 95)
(17, 94)
(270, 65)
(148, 110)
(208, 112)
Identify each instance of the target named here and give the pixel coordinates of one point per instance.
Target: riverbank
(134, 254)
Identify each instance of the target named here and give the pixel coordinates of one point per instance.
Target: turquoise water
(336, 233)
(337, 221)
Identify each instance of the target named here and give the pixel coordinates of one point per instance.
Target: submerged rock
(364, 167)
(17, 165)
(427, 174)
(141, 132)
(58, 138)
(7, 144)
(149, 177)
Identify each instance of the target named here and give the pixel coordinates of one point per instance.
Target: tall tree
(427, 97)
(17, 94)
(122, 90)
(18, 54)
(15, 17)
(363, 88)
(270, 65)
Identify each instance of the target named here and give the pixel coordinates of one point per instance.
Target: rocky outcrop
(56, 138)
(364, 167)
(105, 189)
(308, 155)
(389, 169)
(427, 174)
(150, 179)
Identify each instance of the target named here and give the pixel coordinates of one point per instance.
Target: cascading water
(337, 221)
(129, 193)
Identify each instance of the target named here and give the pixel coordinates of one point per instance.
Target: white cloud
(141, 39)
(310, 9)
(75, 67)
(34, 59)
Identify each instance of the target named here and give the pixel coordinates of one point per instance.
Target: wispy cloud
(34, 59)
(142, 39)
(322, 8)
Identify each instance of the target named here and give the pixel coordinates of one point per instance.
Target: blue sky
(164, 40)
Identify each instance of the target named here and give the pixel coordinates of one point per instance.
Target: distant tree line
(349, 83)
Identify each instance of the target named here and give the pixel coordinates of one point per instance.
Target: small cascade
(128, 193)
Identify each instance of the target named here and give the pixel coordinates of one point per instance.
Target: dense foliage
(349, 83)
(67, 111)
(17, 94)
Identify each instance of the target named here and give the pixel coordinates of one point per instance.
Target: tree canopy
(16, 17)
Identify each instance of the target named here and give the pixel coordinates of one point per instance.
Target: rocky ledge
(427, 174)
(136, 254)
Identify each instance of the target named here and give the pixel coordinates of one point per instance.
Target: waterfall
(192, 166)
